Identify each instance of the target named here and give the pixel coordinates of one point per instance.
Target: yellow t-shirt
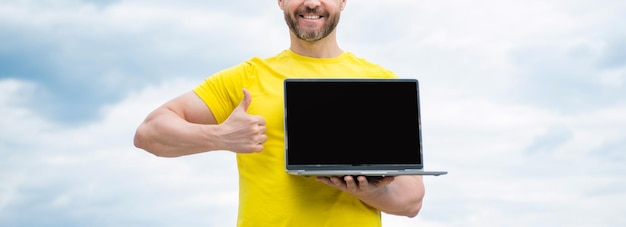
(268, 196)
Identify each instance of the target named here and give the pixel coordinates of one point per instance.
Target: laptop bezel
(375, 169)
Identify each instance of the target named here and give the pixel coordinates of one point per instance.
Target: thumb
(247, 99)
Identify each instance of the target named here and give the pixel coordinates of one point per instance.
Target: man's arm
(185, 126)
(400, 195)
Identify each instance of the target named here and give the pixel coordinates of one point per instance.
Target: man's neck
(324, 48)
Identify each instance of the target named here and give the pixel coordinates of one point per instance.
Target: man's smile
(311, 17)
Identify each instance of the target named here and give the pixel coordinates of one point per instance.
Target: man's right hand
(242, 132)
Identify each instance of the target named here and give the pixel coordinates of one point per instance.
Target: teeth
(312, 17)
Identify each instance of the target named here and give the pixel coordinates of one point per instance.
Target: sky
(523, 103)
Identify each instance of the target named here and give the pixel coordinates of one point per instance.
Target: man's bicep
(190, 107)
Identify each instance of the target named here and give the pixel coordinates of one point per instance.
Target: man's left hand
(359, 185)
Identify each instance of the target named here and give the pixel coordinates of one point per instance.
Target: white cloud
(92, 175)
(94, 54)
(499, 177)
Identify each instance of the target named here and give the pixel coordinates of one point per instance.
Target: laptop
(340, 127)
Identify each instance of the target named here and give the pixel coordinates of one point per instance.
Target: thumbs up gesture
(242, 132)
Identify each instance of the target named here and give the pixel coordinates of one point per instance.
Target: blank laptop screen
(364, 122)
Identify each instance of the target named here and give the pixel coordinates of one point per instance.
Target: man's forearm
(401, 197)
(167, 135)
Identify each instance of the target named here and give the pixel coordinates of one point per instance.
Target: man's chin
(310, 38)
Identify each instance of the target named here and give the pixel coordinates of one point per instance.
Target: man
(240, 109)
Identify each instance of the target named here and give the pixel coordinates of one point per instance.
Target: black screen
(347, 122)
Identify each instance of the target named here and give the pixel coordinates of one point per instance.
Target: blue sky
(523, 103)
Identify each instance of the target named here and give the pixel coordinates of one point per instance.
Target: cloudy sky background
(523, 103)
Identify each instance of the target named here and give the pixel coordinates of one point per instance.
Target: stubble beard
(311, 35)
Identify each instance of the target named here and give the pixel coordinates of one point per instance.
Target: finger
(363, 183)
(257, 141)
(262, 129)
(263, 139)
(337, 182)
(257, 148)
(261, 121)
(325, 180)
(350, 183)
(247, 99)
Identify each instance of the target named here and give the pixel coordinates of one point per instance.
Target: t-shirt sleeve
(222, 91)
